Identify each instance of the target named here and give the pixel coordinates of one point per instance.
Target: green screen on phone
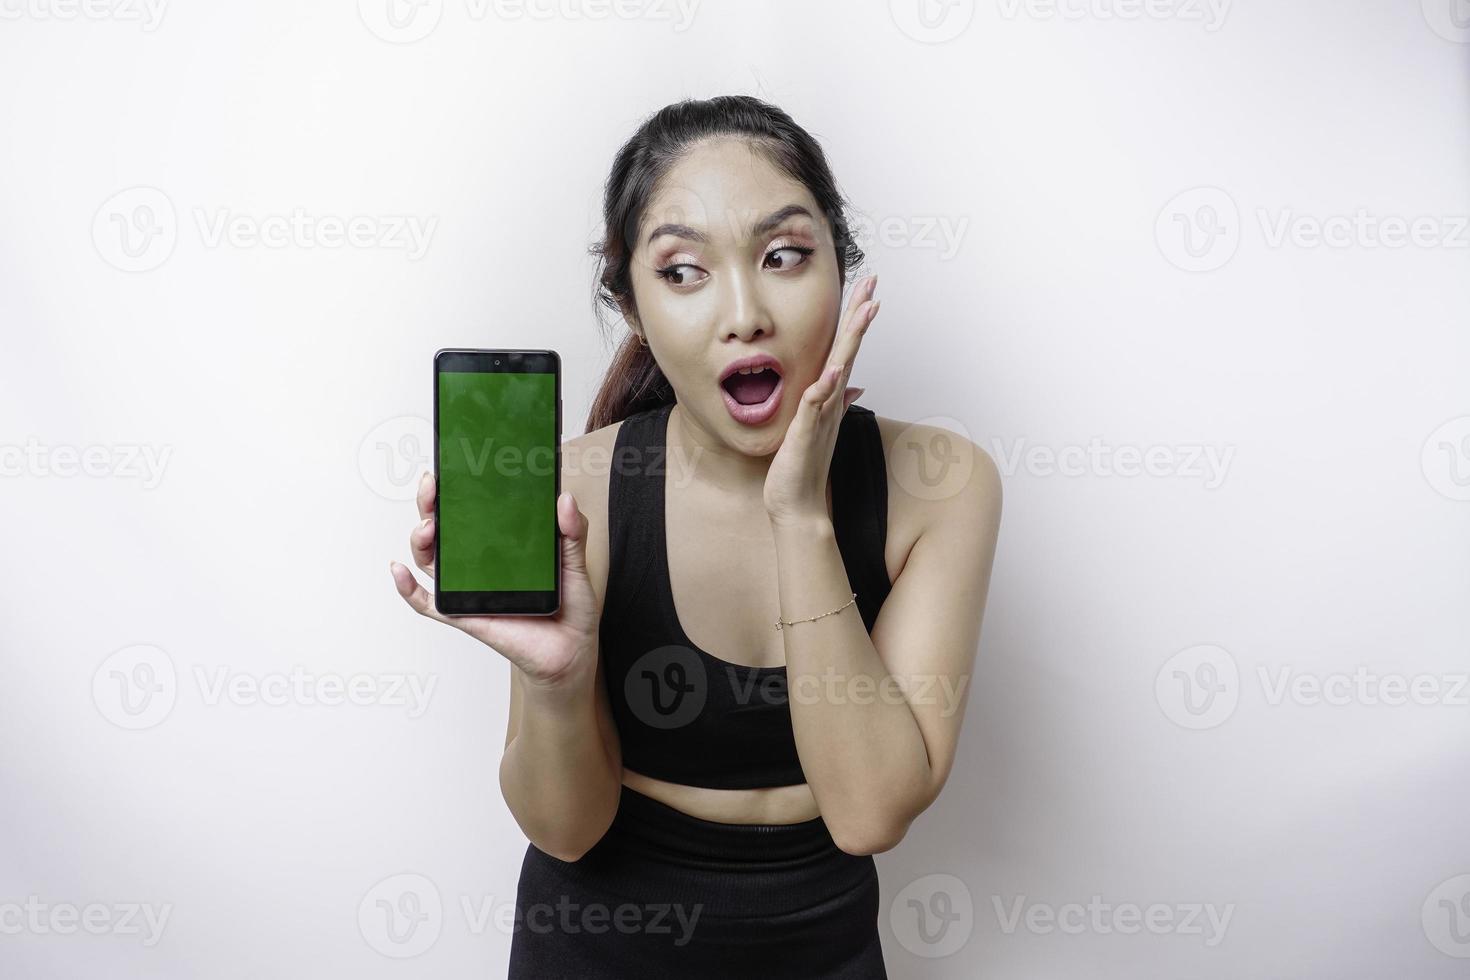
(497, 482)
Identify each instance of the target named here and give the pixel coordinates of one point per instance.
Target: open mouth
(753, 387)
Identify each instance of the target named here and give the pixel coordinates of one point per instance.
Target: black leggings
(667, 895)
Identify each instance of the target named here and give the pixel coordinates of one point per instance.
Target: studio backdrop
(1192, 272)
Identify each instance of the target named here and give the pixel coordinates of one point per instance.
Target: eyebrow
(761, 228)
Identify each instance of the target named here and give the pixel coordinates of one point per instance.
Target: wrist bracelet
(780, 623)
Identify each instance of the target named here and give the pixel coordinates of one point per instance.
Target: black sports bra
(684, 715)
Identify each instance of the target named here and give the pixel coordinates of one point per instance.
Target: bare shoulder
(938, 478)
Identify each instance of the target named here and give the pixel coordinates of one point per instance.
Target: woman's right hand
(547, 649)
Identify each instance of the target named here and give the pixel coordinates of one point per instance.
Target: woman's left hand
(796, 486)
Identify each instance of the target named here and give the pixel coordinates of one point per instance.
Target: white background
(288, 387)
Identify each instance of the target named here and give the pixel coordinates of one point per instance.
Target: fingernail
(872, 285)
(425, 522)
(424, 479)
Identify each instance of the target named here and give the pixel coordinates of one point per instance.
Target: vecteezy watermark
(933, 916)
(1188, 461)
(932, 21)
(137, 687)
(1450, 19)
(137, 229)
(1210, 14)
(1362, 686)
(1201, 229)
(1200, 687)
(147, 14)
(669, 686)
(1445, 458)
(933, 458)
(401, 916)
(407, 21)
(939, 233)
(832, 687)
(35, 917)
(404, 915)
(1362, 229)
(1203, 919)
(1445, 917)
(300, 688)
(394, 455)
(122, 461)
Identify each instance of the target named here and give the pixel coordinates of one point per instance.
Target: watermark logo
(300, 688)
(136, 229)
(831, 687)
(942, 234)
(37, 918)
(1203, 919)
(394, 455)
(404, 915)
(666, 688)
(123, 461)
(1210, 14)
(1450, 19)
(1199, 229)
(1445, 459)
(407, 21)
(1208, 464)
(933, 916)
(1363, 687)
(147, 14)
(932, 459)
(136, 687)
(1362, 229)
(401, 916)
(1445, 916)
(1198, 687)
(932, 21)
(401, 21)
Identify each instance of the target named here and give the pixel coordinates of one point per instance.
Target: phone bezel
(517, 361)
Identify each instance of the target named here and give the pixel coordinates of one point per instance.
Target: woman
(756, 679)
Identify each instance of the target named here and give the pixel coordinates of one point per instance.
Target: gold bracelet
(781, 622)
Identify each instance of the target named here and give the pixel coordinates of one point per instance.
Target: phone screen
(497, 431)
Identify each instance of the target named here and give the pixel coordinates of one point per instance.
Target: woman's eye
(794, 256)
(676, 274)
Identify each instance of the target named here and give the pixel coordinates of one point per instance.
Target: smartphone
(497, 463)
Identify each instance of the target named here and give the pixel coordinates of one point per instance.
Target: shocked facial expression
(738, 293)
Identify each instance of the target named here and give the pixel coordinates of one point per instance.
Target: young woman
(757, 676)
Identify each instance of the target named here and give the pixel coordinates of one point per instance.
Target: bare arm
(561, 772)
(877, 719)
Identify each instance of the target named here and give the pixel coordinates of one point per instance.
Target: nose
(746, 317)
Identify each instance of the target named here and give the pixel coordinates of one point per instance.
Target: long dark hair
(633, 381)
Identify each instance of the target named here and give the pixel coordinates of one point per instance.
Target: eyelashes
(671, 273)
